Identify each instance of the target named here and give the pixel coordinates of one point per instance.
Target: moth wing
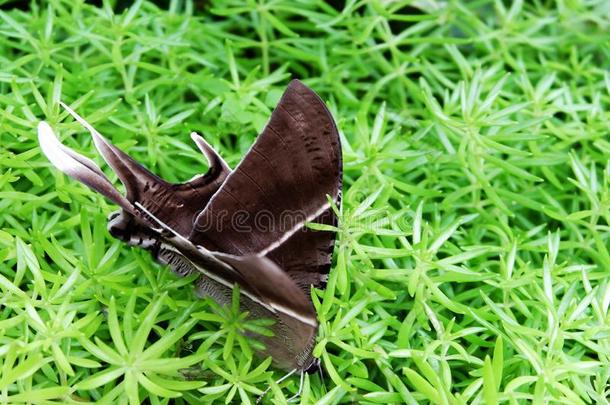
(267, 292)
(78, 166)
(293, 330)
(259, 278)
(307, 255)
(162, 198)
(281, 183)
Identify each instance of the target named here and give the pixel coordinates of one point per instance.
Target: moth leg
(300, 391)
(260, 398)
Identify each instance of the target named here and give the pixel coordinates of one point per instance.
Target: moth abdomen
(178, 264)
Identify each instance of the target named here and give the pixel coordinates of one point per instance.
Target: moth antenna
(260, 398)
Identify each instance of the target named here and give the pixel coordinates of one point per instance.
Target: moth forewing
(258, 277)
(215, 161)
(78, 166)
(164, 199)
(266, 290)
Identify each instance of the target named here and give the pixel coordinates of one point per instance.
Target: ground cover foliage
(472, 263)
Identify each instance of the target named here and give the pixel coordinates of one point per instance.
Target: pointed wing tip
(301, 88)
(77, 166)
(70, 111)
(44, 129)
(202, 144)
(51, 147)
(296, 84)
(46, 139)
(196, 137)
(81, 120)
(210, 153)
(101, 143)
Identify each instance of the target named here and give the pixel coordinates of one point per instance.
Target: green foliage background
(473, 257)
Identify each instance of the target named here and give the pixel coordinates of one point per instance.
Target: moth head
(175, 204)
(121, 225)
(118, 225)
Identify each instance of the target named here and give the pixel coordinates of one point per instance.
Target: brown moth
(244, 226)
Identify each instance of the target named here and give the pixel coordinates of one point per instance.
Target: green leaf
(101, 378)
(422, 386)
(489, 383)
(26, 259)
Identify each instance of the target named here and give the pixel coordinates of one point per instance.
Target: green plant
(473, 253)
